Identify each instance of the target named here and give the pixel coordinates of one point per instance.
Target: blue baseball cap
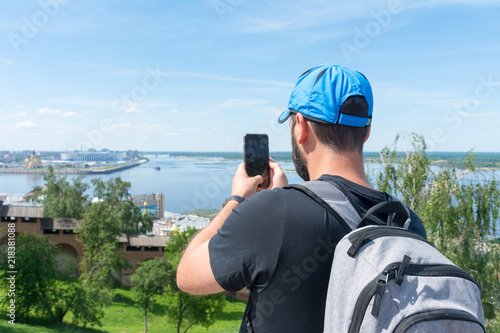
(321, 91)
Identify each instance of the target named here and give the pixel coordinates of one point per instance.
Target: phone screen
(257, 157)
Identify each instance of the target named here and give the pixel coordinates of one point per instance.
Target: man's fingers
(258, 179)
(241, 169)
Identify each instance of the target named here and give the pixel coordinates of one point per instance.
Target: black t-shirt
(280, 243)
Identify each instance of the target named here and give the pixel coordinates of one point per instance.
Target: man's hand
(278, 177)
(244, 185)
(194, 274)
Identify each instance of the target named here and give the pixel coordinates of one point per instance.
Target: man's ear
(302, 128)
(368, 133)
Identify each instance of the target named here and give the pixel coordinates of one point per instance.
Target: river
(187, 183)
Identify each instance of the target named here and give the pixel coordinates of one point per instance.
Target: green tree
(35, 265)
(113, 215)
(115, 193)
(185, 309)
(149, 281)
(41, 293)
(458, 207)
(98, 233)
(61, 198)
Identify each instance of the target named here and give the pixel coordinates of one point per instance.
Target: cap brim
(284, 116)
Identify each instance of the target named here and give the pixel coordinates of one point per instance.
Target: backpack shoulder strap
(398, 214)
(333, 200)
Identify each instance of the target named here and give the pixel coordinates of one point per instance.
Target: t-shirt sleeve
(246, 248)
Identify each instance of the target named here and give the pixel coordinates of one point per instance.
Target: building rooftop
(21, 210)
(143, 240)
(193, 223)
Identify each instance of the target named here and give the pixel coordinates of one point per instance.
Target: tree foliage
(111, 216)
(61, 198)
(126, 217)
(40, 293)
(149, 281)
(102, 222)
(184, 309)
(459, 209)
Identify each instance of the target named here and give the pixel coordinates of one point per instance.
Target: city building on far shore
(153, 203)
(33, 161)
(93, 156)
(175, 222)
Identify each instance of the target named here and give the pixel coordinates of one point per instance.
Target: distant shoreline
(482, 161)
(73, 171)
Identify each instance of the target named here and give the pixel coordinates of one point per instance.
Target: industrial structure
(93, 156)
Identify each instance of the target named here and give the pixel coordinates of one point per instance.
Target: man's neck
(346, 165)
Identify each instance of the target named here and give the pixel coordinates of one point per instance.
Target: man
(280, 242)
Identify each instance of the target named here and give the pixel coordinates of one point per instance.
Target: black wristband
(233, 197)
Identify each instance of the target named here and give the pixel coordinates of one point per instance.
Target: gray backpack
(388, 279)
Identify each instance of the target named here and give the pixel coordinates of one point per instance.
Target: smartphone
(256, 152)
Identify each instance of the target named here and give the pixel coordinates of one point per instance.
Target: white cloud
(7, 61)
(235, 79)
(189, 130)
(239, 103)
(302, 15)
(27, 124)
(56, 112)
(114, 105)
(85, 102)
(65, 127)
(148, 127)
(484, 114)
(49, 111)
(175, 111)
(133, 110)
(119, 127)
(89, 65)
(443, 3)
(12, 115)
(110, 70)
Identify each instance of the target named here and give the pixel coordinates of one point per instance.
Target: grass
(124, 316)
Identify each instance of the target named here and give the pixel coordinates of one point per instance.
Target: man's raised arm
(194, 274)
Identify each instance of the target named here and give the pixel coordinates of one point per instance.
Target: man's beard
(299, 161)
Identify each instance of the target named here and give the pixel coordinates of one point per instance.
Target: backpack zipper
(397, 271)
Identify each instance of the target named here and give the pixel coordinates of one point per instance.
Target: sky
(196, 75)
